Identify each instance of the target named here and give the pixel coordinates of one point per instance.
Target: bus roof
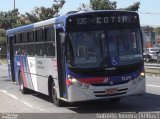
(31, 26)
(59, 19)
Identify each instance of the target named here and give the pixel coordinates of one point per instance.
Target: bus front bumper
(133, 87)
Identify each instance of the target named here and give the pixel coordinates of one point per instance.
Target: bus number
(127, 78)
(81, 21)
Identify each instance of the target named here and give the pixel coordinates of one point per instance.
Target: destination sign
(104, 19)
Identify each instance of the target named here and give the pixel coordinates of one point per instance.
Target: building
(148, 37)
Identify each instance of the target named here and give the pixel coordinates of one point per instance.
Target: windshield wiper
(104, 61)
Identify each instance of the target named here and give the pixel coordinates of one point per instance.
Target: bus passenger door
(10, 55)
(61, 63)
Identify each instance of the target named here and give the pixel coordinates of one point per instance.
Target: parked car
(151, 54)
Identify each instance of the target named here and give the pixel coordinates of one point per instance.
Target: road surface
(12, 101)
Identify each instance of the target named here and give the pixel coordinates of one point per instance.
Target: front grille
(103, 94)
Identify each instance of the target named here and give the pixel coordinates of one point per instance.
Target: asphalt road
(12, 101)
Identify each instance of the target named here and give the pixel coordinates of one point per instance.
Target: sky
(147, 6)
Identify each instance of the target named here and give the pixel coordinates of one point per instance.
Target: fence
(152, 69)
(3, 54)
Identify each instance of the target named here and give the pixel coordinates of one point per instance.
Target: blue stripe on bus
(111, 79)
(23, 28)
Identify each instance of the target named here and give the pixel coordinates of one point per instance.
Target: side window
(49, 33)
(14, 39)
(39, 49)
(31, 36)
(17, 49)
(30, 50)
(24, 37)
(39, 35)
(18, 38)
(49, 49)
(23, 50)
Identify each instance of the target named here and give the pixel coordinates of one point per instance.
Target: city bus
(80, 56)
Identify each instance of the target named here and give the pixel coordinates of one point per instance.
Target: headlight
(142, 74)
(139, 78)
(73, 81)
(76, 82)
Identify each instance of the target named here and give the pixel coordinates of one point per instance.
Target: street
(14, 102)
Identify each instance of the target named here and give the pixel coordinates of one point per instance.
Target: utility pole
(14, 4)
(14, 7)
(0, 55)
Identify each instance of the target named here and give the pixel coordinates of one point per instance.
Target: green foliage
(2, 33)
(13, 18)
(3, 41)
(83, 7)
(133, 7)
(8, 19)
(42, 13)
(59, 4)
(2, 37)
(148, 28)
(157, 30)
(107, 5)
(103, 5)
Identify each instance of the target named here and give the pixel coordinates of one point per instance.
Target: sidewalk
(3, 66)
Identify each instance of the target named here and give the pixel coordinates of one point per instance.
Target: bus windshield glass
(104, 48)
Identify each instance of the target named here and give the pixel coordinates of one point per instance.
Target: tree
(2, 38)
(13, 18)
(58, 5)
(84, 7)
(157, 30)
(133, 7)
(147, 28)
(103, 5)
(42, 13)
(21, 20)
(108, 5)
(9, 19)
(2, 33)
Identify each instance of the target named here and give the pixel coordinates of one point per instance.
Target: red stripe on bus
(95, 80)
(68, 82)
(23, 75)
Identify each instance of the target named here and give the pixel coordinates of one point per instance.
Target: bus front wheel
(55, 100)
(22, 88)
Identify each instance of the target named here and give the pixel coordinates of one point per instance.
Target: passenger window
(17, 49)
(30, 36)
(49, 34)
(49, 49)
(39, 35)
(18, 38)
(30, 49)
(24, 37)
(23, 50)
(39, 49)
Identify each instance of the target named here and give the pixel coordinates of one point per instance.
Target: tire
(115, 100)
(55, 100)
(21, 84)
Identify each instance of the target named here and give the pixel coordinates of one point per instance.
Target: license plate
(111, 91)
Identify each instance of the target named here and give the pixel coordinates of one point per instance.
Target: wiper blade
(104, 61)
(110, 69)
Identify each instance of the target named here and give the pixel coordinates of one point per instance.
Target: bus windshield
(104, 48)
